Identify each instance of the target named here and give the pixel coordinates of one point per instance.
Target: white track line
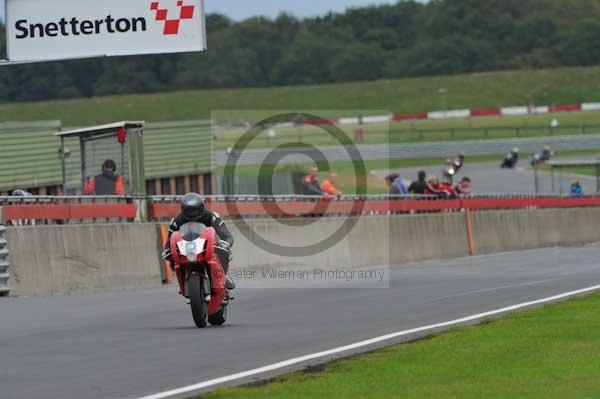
(286, 363)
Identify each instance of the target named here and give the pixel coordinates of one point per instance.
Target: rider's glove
(166, 255)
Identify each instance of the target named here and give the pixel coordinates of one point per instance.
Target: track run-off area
(142, 343)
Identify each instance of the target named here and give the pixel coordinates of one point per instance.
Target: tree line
(407, 39)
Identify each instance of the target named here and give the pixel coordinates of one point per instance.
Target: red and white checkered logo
(172, 24)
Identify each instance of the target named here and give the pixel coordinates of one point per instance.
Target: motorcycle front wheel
(198, 304)
(218, 318)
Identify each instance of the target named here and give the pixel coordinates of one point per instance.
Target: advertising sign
(42, 30)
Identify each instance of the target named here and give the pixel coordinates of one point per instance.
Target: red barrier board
(67, 211)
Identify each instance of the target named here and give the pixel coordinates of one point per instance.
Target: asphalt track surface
(136, 343)
(488, 178)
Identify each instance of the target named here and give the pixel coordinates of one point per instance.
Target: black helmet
(192, 205)
(109, 164)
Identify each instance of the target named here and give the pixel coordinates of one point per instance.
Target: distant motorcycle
(193, 248)
(511, 159)
(541, 157)
(453, 166)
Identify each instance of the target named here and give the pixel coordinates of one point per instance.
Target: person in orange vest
(328, 186)
(107, 182)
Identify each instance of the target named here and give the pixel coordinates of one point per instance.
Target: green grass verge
(484, 128)
(547, 353)
(553, 86)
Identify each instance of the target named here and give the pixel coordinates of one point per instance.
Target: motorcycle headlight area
(191, 249)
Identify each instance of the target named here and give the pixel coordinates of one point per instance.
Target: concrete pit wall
(373, 241)
(49, 260)
(54, 260)
(516, 230)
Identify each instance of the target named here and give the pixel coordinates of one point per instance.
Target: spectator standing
(359, 135)
(419, 186)
(328, 186)
(448, 190)
(310, 184)
(463, 189)
(107, 182)
(576, 189)
(434, 188)
(396, 185)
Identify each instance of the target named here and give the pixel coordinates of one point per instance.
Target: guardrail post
(4, 264)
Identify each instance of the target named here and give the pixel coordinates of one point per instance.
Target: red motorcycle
(199, 273)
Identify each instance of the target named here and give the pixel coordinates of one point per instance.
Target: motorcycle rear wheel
(198, 304)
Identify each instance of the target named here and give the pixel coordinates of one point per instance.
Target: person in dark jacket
(310, 184)
(107, 182)
(419, 186)
(193, 210)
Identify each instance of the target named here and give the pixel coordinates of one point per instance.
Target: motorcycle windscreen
(191, 231)
(191, 245)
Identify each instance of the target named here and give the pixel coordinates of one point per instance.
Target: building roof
(100, 129)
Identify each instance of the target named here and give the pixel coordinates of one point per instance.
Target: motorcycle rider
(544, 156)
(510, 161)
(193, 210)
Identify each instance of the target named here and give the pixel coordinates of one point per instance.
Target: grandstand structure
(178, 157)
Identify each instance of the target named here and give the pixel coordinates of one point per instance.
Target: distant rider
(193, 210)
(510, 161)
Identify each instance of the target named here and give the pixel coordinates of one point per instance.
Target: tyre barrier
(4, 265)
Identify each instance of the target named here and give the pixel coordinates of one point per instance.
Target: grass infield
(550, 352)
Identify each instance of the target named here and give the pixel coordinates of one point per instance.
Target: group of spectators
(428, 186)
(327, 189)
(397, 186)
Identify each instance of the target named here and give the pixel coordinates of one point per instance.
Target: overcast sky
(241, 9)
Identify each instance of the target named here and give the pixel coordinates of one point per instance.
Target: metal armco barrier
(4, 265)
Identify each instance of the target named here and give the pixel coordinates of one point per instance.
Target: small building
(178, 157)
